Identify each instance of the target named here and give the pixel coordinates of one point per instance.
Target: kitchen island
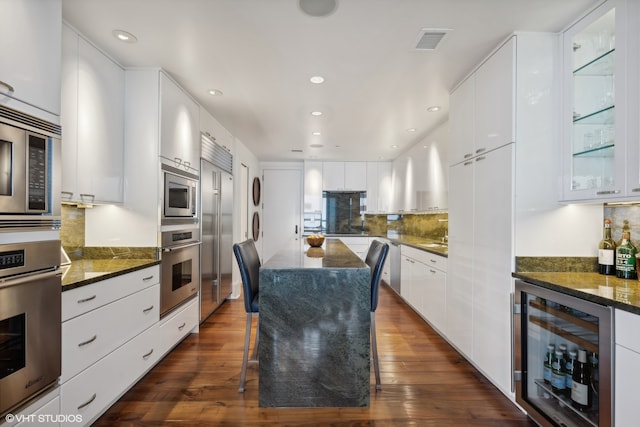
(314, 328)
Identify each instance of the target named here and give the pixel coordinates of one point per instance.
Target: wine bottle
(571, 361)
(607, 251)
(581, 395)
(558, 380)
(626, 255)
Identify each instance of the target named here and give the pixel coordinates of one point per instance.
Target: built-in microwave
(180, 195)
(24, 171)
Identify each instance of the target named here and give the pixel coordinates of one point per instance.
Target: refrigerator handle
(296, 229)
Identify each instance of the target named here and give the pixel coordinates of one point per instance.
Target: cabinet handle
(187, 164)
(433, 261)
(635, 190)
(80, 301)
(470, 162)
(146, 279)
(181, 327)
(69, 193)
(466, 156)
(88, 402)
(146, 356)
(177, 160)
(605, 192)
(8, 86)
(432, 271)
(91, 196)
(89, 341)
(146, 310)
(480, 150)
(480, 158)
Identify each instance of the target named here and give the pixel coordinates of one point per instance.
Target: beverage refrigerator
(562, 357)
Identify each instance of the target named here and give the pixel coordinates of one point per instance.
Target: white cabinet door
(93, 121)
(332, 176)
(459, 302)
(492, 284)
(212, 128)
(30, 68)
(379, 186)
(494, 99)
(406, 277)
(312, 187)
(627, 378)
(462, 115)
(355, 176)
(179, 126)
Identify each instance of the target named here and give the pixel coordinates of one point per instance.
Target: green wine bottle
(626, 255)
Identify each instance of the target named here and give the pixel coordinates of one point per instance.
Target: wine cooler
(563, 354)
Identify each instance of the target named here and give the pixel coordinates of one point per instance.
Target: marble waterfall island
(314, 328)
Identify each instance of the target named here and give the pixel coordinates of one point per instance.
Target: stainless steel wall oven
(30, 320)
(180, 268)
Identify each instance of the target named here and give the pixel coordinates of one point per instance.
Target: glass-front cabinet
(563, 353)
(594, 102)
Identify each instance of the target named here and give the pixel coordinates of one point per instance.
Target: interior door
(282, 201)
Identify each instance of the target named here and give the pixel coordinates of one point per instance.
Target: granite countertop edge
(565, 282)
(87, 271)
(402, 239)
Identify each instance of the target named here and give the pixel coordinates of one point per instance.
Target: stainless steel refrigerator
(216, 210)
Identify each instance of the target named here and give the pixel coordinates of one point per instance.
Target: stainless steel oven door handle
(28, 278)
(176, 248)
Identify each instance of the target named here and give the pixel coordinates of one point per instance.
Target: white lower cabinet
(424, 277)
(43, 411)
(111, 336)
(627, 375)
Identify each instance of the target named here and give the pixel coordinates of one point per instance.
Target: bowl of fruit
(315, 240)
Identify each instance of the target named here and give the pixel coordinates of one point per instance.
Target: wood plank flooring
(425, 382)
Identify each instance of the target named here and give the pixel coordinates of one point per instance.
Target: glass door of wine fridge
(563, 354)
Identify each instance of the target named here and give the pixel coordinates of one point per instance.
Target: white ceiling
(261, 54)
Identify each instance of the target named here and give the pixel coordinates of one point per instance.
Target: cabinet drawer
(627, 326)
(427, 258)
(175, 327)
(95, 389)
(81, 300)
(87, 338)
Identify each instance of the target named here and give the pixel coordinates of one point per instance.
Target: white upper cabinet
(179, 126)
(595, 112)
(344, 176)
(93, 123)
(213, 129)
(379, 186)
(30, 51)
(482, 107)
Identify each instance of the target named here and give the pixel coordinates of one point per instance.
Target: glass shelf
(557, 406)
(600, 151)
(604, 116)
(603, 65)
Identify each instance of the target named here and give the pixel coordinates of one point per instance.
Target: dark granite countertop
(84, 272)
(606, 290)
(424, 244)
(332, 254)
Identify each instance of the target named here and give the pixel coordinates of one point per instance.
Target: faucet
(445, 238)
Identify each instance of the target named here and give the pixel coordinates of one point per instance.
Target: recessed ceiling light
(394, 146)
(124, 36)
(316, 145)
(316, 113)
(433, 109)
(411, 130)
(315, 133)
(317, 79)
(215, 92)
(318, 8)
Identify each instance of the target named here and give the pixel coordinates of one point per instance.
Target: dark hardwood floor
(425, 382)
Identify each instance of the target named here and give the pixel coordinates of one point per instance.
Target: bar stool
(249, 264)
(375, 260)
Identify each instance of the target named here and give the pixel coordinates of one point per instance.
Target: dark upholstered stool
(249, 264)
(375, 260)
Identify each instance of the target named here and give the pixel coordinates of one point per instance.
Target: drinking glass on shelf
(588, 140)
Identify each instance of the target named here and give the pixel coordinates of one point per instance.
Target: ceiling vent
(429, 39)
